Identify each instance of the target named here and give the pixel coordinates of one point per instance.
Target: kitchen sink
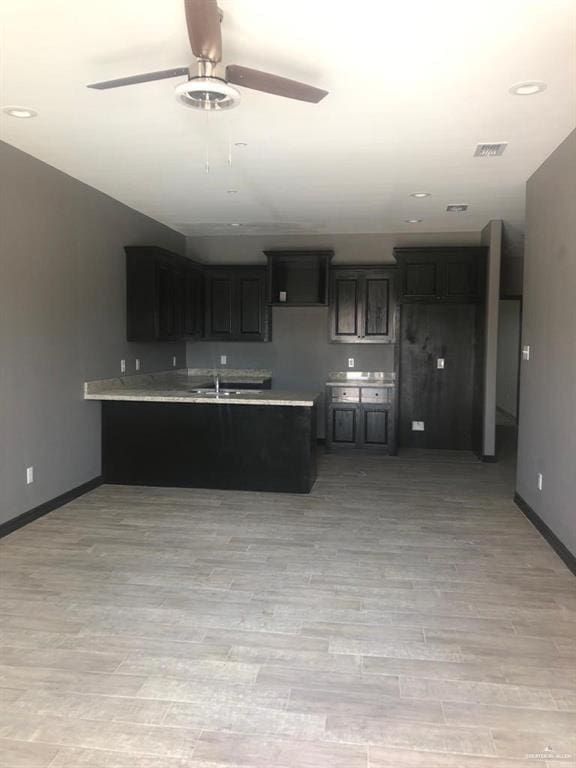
(225, 392)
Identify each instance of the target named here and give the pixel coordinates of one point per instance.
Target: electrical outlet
(137, 364)
(350, 362)
(417, 426)
(122, 366)
(174, 361)
(440, 363)
(526, 352)
(539, 481)
(223, 360)
(29, 475)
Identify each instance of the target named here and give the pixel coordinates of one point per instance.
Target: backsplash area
(300, 355)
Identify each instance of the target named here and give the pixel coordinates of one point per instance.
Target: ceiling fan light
(208, 94)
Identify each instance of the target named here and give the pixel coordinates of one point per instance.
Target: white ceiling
(414, 85)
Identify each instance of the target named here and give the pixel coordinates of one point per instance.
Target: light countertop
(179, 386)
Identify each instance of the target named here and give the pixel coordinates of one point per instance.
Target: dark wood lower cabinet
(360, 425)
(343, 423)
(193, 445)
(375, 426)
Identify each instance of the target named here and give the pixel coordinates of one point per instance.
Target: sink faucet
(217, 382)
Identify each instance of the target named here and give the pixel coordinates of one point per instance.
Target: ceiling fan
(206, 90)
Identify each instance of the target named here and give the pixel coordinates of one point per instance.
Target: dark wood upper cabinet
(236, 307)
(363, 305)
(298, 278)
(167, 290)
(219, 309)
(441, 274)
(193, 302)
(164, 295)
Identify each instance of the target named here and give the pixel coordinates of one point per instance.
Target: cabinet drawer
(345, 394)
(376, 394)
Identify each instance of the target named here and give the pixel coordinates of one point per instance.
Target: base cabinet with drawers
(361, 417)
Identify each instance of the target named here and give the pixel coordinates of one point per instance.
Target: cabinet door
(362, 305)
(421, 280)
(343, 425)
(345, 316)
(192, 303)
(219, 308)
(443, 398)
(250, 307)
(378, 306)
(166, 301)
(461, 279)
(375, 426)
(236, 306)
(451, 274)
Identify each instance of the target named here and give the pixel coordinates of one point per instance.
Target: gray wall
(348, 249)
(492, 238)
(62, 321)
(547, 430)
(300, 355)
(508, 356)
(512, 266)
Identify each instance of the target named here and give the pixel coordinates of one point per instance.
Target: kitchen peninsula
(174, 428)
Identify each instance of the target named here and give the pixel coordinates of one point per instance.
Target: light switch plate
(440, 363)
(29, 475)
(137, 364)
(174, 361)
(223, 360)
(417, 426)
(526, 352)
(122, 366)
(350, 362)
(540, 481)
(283, 296)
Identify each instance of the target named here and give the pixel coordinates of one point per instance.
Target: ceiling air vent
(457, 207)
(490, 150)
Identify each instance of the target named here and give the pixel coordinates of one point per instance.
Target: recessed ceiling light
(412, 221)
(21, 112)
(457, 207)
(528, 88)
(240, 144)
(231, 191)
(420, 194)
(234, 224)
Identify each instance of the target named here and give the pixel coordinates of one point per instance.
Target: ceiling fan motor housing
(207, 93)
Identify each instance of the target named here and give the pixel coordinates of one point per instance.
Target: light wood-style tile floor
(404, 615)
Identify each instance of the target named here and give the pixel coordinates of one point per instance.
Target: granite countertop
(361, 379)
(178, 387)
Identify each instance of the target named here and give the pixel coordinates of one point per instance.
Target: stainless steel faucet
(217, 382)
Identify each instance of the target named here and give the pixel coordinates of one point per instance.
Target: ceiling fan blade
(280, 86)
(145, 78)
(203, 22)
